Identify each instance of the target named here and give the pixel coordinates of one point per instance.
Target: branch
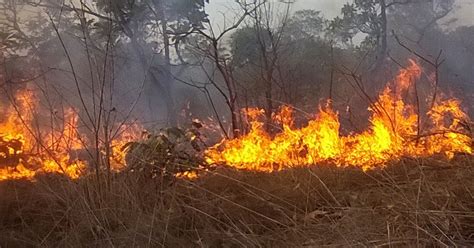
(397, 3)
(86, 10)
(411, 50)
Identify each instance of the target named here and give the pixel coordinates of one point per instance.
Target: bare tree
(212, 49)
(269, 30)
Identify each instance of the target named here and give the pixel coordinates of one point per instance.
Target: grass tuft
(413, 202)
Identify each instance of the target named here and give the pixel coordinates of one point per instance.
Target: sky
(221, 11)
(464, 10)
(331, 8)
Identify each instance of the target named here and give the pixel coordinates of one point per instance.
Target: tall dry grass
(411, 203)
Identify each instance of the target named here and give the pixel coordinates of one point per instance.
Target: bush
(171, 151)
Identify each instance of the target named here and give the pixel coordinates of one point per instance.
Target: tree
(307, 23)
(414, 20)
(301, 74)
(371, 18)
(209, 47)
(268, 33)
(158, 25)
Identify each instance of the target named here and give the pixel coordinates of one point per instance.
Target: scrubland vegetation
(165, 123)
(426, 202)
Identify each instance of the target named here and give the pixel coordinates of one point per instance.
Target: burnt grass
(424, 203)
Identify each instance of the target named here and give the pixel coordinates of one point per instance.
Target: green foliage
(304, 24)
(171, 151)
(361, 16)
(367, 18)
(143, 18)
(245, 46)
(303, 66)
(307, 23)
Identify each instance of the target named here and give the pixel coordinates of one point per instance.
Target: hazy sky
(330, 8)
(464, 10)
(217, 9)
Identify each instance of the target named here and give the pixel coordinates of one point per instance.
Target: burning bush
(171, 151)
(10, 151)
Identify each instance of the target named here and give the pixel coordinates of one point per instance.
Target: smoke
(131, 93)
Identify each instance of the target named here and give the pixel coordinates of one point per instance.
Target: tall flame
(394, 132)
(25, 152)
(397, 129)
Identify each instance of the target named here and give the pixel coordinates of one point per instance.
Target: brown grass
(426, 203)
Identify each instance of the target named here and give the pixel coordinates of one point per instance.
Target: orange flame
(393, 133)
(126, 133)
(26, 152)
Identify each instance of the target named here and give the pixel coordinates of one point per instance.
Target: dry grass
(426, 203)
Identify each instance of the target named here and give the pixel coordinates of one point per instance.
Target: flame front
(25, 152)
(394, 132)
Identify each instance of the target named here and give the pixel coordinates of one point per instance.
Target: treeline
(166, 62)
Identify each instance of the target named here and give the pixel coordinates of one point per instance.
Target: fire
(26, 152)
(394, 132)
(396, 129)
(126, 133)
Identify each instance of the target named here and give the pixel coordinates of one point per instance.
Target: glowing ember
(190, 175)
(393, 133)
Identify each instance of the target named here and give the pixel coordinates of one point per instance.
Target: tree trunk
(167, 78)
(163, 83)
(231, 95)
(268, 99)
(383, 31)
(382, 45)
(235, 122)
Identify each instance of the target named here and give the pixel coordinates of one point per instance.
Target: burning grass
(27, 150)
(405, 181)
(398, 128)
(426, 202)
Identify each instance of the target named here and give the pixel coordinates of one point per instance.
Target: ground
(412, 202)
